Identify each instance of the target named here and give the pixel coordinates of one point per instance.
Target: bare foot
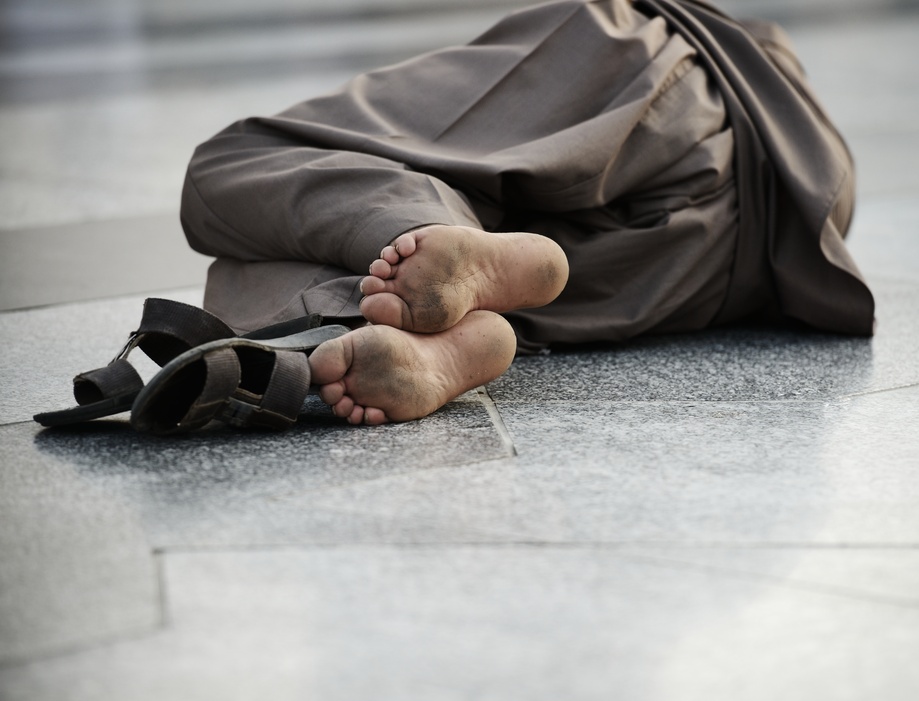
(377, 374)
(430, 278)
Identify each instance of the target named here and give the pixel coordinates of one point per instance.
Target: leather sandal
(167, 329)
(243, 382)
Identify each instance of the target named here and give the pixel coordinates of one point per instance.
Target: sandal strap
(279, 405)
(116, 378)
(222, 376)
(169, 328)
(286, 328)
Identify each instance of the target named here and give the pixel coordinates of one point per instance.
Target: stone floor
(724, 515)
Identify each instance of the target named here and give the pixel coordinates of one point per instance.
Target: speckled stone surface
(734, 364)
(838, 472)
(223, 486)
(650, 473)
(496, 623)
(885, 238)
(887, 575)
(706, 472)
(75, 566)
(83, 509)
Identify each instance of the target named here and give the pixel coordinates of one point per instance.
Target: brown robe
(678, 160)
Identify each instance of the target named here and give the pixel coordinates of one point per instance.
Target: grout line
(534, 544)
(806, 400)
(885, 390)
(497, 420)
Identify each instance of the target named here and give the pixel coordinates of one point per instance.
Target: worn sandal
(244, 382)
(167, 329)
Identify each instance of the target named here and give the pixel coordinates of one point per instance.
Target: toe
(372, 285)
(381, 269)
(332, 393)
(405, 245)
(357, 415)
(384, 309)
(390, 255)
(374, 417)
(343, 407)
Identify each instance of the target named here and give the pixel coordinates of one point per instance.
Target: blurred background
(102, 102)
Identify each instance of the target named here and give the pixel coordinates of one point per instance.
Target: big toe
(374, 416)
(384, 309)
(332, 392)
(328, 365)
(372, 285)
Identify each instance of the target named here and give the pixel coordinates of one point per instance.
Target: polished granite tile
(593, 472)
(319, 452)
(884, 162)
(82, 509)
(777, 472)
(861, 71)
(863, 89)
(839, 472)
(887, 575)
(75, 566)
(732, 364)
(236, 487)
(885, 238)
(54, 344)
(491, 623)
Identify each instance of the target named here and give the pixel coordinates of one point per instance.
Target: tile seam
(533, 544)
(884, 390)
(497, 420)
